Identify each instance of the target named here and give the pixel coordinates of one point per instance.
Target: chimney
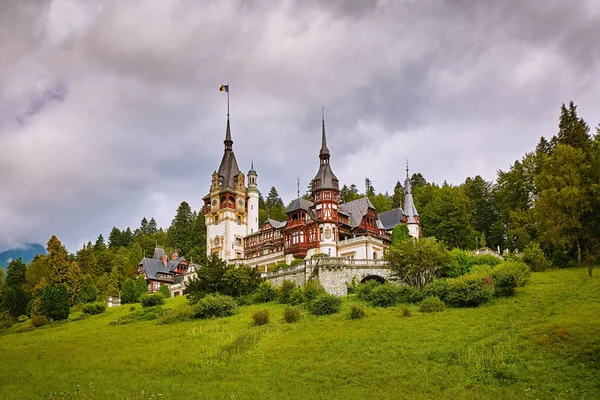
(164, 260)
(174, 255)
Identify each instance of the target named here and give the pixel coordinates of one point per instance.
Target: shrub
(410, 294)
(280, 265)
(534, 257)
(164, 290)
(128, 293)
(437, 288)
(486, 259)
(291, 315)
(285, 291)
(23, 318)
(324, 304)
(508, 276)
(145, 314)
(481, 269)
(239, 280)
(214, 305)
(364, 291)
(406, 312)
(173, 315)
(6, 320)
(151, 300)
(295, 262)
(39, 320)
(296, 297)
(54, 303)
(431, 304)
(385, 295)
(311, 291)
(470, 290)
(356, 312)
(459, 263)
(264, 293)
(94, 308)
(261, 317)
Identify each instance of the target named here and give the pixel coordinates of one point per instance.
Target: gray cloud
(110, 111)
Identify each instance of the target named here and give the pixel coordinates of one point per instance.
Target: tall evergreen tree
(398, 196)
(100, 245)
(152, 227)
(144, 226)
(572, 130)
(180, 231)
(15, 273)
(114, 238)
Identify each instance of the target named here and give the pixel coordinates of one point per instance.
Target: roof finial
(407, 167)
(298, 185)
(252, 163)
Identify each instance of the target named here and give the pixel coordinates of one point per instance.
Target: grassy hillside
(543, 343)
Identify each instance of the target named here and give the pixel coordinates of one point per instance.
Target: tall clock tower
(225, 208)
(326, 194)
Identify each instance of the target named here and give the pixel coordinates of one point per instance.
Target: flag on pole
(224, 88)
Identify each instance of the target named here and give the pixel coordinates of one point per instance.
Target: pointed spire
(228, 142)
(324, 153)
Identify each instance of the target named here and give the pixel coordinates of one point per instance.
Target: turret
(326, 195)
(253, 195)
(413, 221)
(225, 207)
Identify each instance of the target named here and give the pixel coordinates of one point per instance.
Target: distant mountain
(27, 252)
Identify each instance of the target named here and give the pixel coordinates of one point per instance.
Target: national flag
(224, 88)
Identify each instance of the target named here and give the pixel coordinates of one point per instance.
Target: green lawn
(543, 343)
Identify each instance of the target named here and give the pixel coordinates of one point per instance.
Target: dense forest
(549, 199)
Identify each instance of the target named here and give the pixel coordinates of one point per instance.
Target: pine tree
(87, 260)
(58, 260)
(141, 286)
(180, 231)
(114, 238)
(572, 130)
(128, 294)
(152, 228)
(55, 302)
(398, 196)
(144, 226)
(100, 245)
(89, 294)
(15, 273)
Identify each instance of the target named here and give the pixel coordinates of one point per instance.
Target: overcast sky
(110, 110)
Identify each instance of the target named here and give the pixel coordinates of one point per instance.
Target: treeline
(98, 269)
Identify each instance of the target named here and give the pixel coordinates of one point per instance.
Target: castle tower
(413, 221)
(225, 210)
(326, 193)
(252, 201)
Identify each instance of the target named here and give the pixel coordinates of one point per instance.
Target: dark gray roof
(171, 265)
(326, 176)
(409, 205)
(153, 267)
(228, 170)
(276, 224)
(300, 204)
(389, 219)
(357, 209)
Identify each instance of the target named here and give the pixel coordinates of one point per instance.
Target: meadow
(542, 343)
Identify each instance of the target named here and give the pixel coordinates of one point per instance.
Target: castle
(351, 230)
